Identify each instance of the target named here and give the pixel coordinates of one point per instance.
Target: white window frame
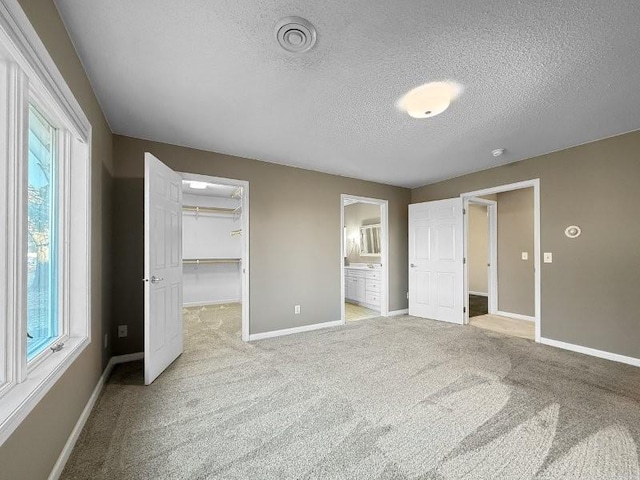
(29, 75)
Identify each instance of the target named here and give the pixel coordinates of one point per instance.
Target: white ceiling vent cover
(295, 34)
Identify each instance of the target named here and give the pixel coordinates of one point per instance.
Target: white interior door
(436, 270)
(163, 335)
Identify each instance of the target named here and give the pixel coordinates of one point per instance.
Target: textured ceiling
(538, 76)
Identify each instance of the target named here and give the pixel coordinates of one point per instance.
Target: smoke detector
(295, 34)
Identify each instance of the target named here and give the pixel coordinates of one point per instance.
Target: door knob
(154, 279)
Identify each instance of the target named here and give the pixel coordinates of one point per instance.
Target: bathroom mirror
(370, 240)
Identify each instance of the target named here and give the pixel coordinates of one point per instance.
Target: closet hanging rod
(190, 208)
(200, 261)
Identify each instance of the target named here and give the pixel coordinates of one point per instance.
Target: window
(42, 264)
(45, 205)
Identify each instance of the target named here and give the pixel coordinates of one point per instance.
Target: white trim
(214, 302)
(246, 256)
(395, 313)
(290, 331)
(492, 280)
(86, 412)
(479, 294)
(27, 396)
(36, 62)
(516, 316)
(384, 258)
(591, 351)
(535, 184)
(35, 76)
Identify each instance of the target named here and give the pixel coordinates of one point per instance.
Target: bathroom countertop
(376, 266)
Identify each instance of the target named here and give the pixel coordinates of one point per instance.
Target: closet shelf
(218, 210)
(202, 261)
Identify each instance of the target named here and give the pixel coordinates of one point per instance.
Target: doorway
(215, 252)
(502, 224)
(481, 228)
(364, 258)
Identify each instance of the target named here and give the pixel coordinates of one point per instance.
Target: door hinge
(464, 211)
(464, 309)
(464, 261)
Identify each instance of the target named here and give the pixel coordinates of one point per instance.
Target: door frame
(245, 255)
(535, 184)
(384, 258)
(492, 279)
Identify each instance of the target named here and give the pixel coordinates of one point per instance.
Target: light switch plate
(296, 309)
(122, 331)
(525, 255)
(548, 257)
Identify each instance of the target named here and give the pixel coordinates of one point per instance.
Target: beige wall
(295, 236)
(516, 277)
(356, 215)
(478, 249)
(34, 447)
(589, 292)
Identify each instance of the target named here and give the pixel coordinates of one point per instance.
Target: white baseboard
(84, 416)
(395, 313)
(480, 294)
(213, 302)
(290, 331)
(516, 316)
(591, 351)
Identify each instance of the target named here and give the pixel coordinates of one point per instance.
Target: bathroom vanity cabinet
(362, 286)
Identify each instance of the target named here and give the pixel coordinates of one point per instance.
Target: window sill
(17, 402)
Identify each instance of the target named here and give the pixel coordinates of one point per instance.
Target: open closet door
(163, 335)
(436, 270)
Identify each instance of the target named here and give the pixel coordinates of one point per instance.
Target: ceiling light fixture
(498, 152)
(198, 185)
(295, 34)
(430, 99)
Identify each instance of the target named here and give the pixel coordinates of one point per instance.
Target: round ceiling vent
(295, 34)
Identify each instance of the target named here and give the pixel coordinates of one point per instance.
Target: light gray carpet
(396, 398)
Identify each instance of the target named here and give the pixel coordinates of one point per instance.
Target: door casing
(492, 284)
(384, 258)
(535, 184)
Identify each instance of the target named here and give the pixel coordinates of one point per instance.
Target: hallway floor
(478, 305)
(507, 326)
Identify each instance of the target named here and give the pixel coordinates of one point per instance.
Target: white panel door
(436, 287)
(163, 335)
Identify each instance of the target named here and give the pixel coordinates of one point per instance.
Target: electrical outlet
(548, 257)
(296, 309)
(106, 340)
(525, 255)
(122, 331)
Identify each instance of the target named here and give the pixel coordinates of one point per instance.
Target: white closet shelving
(211, 251)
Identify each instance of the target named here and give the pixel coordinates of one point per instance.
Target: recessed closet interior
(212, 254)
